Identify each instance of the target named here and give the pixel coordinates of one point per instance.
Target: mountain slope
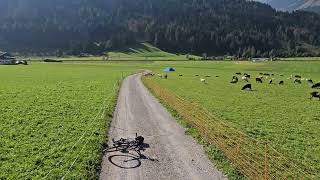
(279, 4)
(315, 9)
(304, 4)
(290, 5)
(215, 27)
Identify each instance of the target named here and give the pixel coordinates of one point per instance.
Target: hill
(279, 4)
(146, 51)
(138, 52)
(215, 27)
(315, 9)
(291, 5)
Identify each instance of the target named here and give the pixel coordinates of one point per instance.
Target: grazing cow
(258, 80)
(297, 81)
(315, 95)
(281, 83)
(271, 81)
(247, 86)
(281, 74)
(261, 73)
(266, 74)
(234, 82)
(272, 74)
(316, 85)
(297, 76)
(238, 73)
(217, 76)
(180, 75)
(197, 75)
(248, 76)
(235, 78)
(245, 78)
(207, 76)
(203, 81)
(310, 81)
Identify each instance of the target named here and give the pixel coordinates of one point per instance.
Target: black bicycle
(125, 145)
(130, 156)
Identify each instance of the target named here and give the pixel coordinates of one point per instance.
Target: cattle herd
(270, 78)
(263, 77)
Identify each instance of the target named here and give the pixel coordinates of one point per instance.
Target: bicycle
(125, 145)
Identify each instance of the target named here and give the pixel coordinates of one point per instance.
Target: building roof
(5, 55)
(2, 53)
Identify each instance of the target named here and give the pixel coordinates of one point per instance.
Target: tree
(252, 52)
(217, 27)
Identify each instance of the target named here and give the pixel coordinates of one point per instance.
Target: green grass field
(281, 115)
(54, 118)
(140, 52)
(301, 59)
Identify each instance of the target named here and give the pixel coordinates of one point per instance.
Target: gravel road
(168, 154)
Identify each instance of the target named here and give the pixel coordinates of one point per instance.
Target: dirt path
(169, 153)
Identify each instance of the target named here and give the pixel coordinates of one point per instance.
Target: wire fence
(84, 139)
(107, 104)
(254, 159)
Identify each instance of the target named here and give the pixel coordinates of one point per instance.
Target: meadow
(284, 115)
(54, 118)
(139, 52)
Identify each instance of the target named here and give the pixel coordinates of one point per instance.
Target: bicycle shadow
(129, 158)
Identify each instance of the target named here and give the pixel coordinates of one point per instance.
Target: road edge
(218, 159)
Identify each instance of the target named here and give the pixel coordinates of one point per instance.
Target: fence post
(265, 160)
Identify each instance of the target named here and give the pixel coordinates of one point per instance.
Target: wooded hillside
(215, 27)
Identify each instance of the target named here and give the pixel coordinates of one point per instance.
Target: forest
(215, 27)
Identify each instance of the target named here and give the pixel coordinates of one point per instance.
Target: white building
(7, 59)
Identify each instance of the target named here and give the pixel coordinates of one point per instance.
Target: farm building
(6, 56)
(8, 59)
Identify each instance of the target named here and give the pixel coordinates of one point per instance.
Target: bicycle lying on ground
(125, 145)
(130, 155)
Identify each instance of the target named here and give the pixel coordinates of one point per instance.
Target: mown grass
(52, 124)
(139, 52)
(146, 51)
(54, 118)
(281, 115)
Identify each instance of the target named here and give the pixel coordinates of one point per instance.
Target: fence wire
(254, 159)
